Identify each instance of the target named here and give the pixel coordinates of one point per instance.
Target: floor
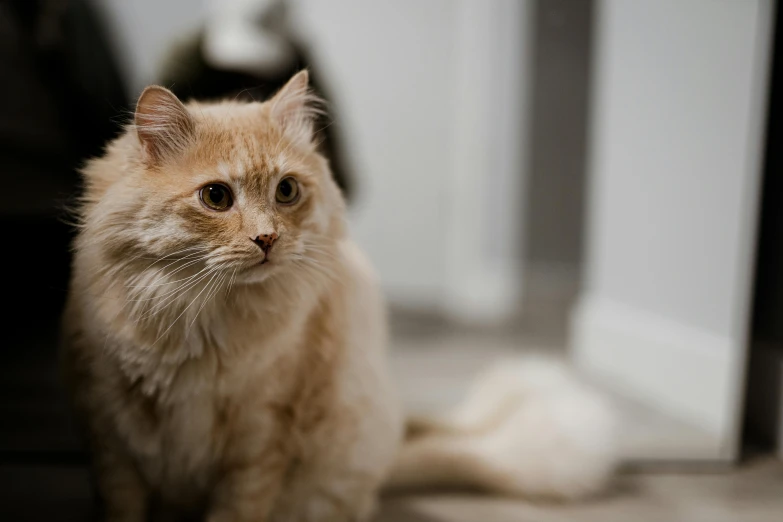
(752, 493)
(43, 476)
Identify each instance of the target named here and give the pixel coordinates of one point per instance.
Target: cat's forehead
(242, 165)
(238, 140)
(227, 113)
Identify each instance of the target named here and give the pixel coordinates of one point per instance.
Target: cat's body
(225, 340)
(252, 424)
(239, 403)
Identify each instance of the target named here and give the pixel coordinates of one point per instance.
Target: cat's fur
(211, 384)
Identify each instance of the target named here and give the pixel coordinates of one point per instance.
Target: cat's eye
(287, 191)
(216, 197)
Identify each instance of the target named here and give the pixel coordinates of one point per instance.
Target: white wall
(675, 164)
(430, 96)
(391, 66)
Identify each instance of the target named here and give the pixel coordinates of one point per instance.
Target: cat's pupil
(216, 194)
(286, 188)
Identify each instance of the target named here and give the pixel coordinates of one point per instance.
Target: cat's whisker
(232, 257)
(168, 292)
(173, 297)
(143, 289)
(188, 257)
(325, 249)
(231, 282)
(319, 248)
(169, 255)
(324, 257)
(185, 310)
(209, 296)
(159, 307)
(146, 258)
(186, 265)
(145, 274)
(188, 249)
(310, 264)
(179, 292)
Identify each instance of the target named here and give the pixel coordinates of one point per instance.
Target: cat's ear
(163, 124)
(295, 107)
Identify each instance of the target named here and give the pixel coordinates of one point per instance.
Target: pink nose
(265, 241)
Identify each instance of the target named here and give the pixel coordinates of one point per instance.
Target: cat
(224, 339)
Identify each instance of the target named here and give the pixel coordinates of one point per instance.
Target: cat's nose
(265, 241)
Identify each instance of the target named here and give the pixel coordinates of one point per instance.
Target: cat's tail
(527, 428)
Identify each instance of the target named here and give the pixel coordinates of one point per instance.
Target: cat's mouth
(266, 263)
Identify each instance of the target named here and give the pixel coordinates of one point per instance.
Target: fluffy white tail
(528, 427)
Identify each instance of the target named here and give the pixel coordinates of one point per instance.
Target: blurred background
(595, 180)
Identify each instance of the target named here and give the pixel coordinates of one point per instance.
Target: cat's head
(232, 185)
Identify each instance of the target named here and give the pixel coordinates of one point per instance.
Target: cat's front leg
(245, 494)
(123, 492)
(330, 495)
(328, 506)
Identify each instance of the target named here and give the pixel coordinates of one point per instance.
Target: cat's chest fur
(181, 449)
(181, 434)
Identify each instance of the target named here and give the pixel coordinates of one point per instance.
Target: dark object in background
(768, 292)
(764, 388)
(189, 75)
(60, 97)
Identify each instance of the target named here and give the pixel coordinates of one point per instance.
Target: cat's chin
(257, 273)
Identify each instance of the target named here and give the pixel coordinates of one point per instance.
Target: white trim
(683, 371)
(483, 259)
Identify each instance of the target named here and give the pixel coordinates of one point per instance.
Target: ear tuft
(296, 108)
(163, 124)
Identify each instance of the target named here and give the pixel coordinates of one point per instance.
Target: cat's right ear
(163, 124)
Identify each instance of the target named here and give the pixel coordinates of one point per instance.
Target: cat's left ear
(295, 107)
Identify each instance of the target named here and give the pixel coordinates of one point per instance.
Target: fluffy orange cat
(224, 339)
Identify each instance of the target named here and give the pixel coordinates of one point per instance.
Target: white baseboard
(682, 371)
